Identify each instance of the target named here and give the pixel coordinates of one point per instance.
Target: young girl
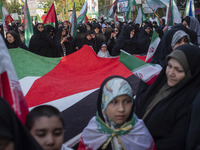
(46, 125)
(103, 52)
(115, 126)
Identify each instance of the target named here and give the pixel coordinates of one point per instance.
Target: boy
(46, 125)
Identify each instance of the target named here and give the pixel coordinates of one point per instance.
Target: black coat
(67, 45)
(12, 128)
(42, 44)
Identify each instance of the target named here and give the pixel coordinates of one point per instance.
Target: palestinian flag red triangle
(77, 72)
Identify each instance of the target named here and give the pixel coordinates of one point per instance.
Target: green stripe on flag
(30, 64)
(130, 61)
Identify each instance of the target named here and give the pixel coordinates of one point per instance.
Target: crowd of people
(162, 116)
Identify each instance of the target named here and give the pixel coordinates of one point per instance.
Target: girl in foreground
(115, 126)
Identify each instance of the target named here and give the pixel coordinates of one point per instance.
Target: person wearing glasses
(41, 42)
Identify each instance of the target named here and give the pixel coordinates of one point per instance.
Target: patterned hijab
(113, 88)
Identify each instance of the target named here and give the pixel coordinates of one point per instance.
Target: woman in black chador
(13, 40)
(166, 105)
(63, 43)
(41, 42)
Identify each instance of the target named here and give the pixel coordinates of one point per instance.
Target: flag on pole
(170, 18)
(139, 16)
(154, 4)
(6, 18)
(73, 22)
(189, 9)
(152, 47)
(51, 17)
(131, 8)
(145, 71)
(28, 27)
(112, 11)
(9, 85)
(82, 14)
(39, 19)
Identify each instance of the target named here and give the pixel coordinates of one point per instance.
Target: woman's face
(183, 40)
(89, 37)
(132, 33)
(48, 132)
(10, 38)
(174, 72)
(40, 27)
(63, 32)
(185, 24)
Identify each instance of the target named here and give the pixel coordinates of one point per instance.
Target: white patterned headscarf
(113, 88)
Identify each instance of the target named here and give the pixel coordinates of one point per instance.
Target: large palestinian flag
(69, 83)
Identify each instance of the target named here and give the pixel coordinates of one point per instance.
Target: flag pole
(156, 16)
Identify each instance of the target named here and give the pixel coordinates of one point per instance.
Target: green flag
(82, 14)
(131, 7)
(73, 22)
(170, 19)
(27, 25)
(145, 71)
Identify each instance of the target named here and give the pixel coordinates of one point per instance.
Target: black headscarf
(41, 43)
(92, 42)
(67, 45)
(17, 41)
(76, 42)
(164, 48)
(167, 121)
(191, 33)
(12, 128)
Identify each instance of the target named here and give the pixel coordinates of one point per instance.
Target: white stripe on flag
(66, 102)
(26, 83)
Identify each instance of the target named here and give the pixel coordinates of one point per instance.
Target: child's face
(119, 109)
(48, 132)
(103, 48)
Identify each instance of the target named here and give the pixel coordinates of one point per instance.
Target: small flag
(152, 47)
(189, 9)
(6, 18)
(112, 11)
(139, 16)
(9, 85)
(154, 4)
(73, 22)
(131, 7)
(28, 27)
(145, 71)
(82, 14)
(51, 17)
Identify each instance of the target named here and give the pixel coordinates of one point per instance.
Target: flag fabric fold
(67, 77)
(28, 28)
(131, 8)
(6, 18)
(189, 9)
(154, 4)
(73, 21)
(9, 85)
(139, 16)
(145, 71)
(51, 17)
(82, 14)
(112, 11)
(152, 47)
(69, 84)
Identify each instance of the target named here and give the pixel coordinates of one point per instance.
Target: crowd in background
(162, 116)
